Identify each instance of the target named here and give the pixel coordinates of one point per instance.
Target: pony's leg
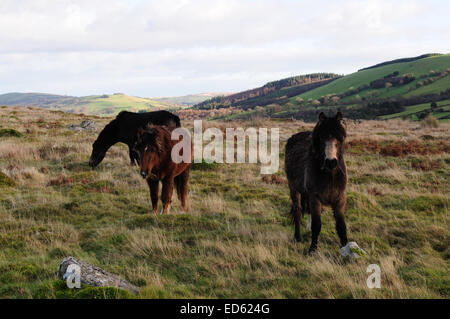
(166, 196)
(305, 209)
(154, 190)
(295, 212)
(341, 228)
(181, 182)
(315, 209)
(132, 155)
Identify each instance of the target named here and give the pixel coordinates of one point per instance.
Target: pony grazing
(124, 129)
(317, 175)
(154, 147)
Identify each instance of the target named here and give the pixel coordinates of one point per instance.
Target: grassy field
(418, 68)
(236, 240)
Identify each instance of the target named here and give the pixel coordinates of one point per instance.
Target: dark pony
(154, 147)
(124, 129)
(317, 175)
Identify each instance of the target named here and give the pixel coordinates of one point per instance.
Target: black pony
(124, 129)
(317, 175)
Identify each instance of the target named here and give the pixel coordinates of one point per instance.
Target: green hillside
(413, 112)
(405, 87)
(273, 92)
(92, 105)
(113, 104)
(437, 86)
(419, 68)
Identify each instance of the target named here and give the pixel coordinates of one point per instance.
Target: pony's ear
(322, 116)
(340, 119)
(171, 125)
(150, 125)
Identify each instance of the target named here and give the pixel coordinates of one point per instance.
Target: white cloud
(154, 48)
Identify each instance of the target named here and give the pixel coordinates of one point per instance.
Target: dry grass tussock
(235, 241)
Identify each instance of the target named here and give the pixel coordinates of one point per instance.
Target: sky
(177, 47)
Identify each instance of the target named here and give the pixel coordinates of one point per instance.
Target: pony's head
(105, 140)
(151, 146)
(328, 139)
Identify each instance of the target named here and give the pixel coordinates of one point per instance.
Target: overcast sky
(177, 47)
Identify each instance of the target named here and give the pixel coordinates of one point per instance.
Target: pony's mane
(159, 135)
(106, 136)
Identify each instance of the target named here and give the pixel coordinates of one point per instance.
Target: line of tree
(389, 81)
(273, 90)
(401, 60)
(367, 110)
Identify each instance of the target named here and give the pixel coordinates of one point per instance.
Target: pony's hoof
(312, 251)
(296, 239)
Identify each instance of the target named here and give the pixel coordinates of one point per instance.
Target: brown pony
(154, 146)
(317, 175)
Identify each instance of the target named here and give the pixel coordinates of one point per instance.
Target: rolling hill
(419, 68)
(386, 88)
(190, 99)
(272, 92)
(92, 105)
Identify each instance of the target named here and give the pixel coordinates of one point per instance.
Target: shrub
(204, 166)
(7, 132)
(61, 180)
(430, 121)
(5, 180)
(274, 179)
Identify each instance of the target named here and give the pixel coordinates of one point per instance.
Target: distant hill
(386, 88)
(421, 69)
(107, 104)
(272, 92)
(34, 99)
(190, 99)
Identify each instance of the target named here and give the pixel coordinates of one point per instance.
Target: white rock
(353, 250)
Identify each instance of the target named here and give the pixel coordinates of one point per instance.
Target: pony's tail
(296, 209)
(295, 214)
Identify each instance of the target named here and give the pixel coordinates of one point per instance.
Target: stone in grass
(353, 250)
(84, 125)
(94, 276)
